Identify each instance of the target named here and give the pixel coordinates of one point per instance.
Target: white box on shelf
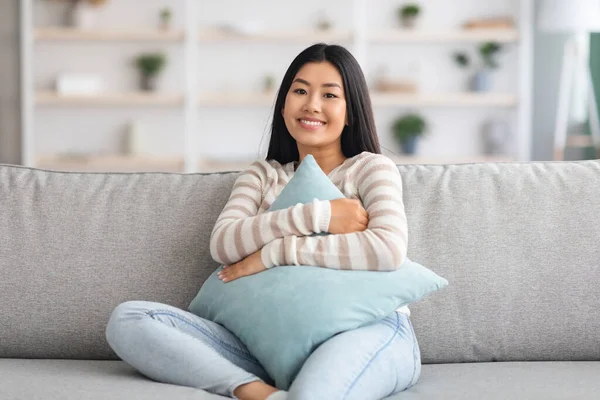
(79, 84)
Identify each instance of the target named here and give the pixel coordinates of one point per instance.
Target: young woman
(322, 108)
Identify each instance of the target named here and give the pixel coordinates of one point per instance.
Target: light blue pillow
(286, 312)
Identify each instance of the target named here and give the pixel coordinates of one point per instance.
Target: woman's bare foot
(256, 390)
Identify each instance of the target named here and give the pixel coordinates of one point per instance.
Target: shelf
(217, 35)
(239, 99)
(444, 99)
(457, 36)
(110, 99)
(62, 34)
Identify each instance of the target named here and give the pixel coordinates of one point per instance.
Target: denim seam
(395, 332)
(414, 356)
(223, 345)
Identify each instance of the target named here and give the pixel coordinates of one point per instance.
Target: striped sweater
(244, 226)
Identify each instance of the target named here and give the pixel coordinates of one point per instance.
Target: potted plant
(165, 18)
(482, 79)
(268, 83)
(323, 23)
(149, 65)
(408, 14)
(407, 129)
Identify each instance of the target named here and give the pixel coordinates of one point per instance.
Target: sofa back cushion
(518, 241)
(74, 245)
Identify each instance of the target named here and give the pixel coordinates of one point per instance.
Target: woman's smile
(310, 124)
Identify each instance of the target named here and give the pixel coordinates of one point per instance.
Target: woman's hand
(347, 216)
(248, 266)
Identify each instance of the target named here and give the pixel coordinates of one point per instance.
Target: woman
(322, 108)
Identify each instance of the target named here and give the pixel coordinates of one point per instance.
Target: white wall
(237, 132)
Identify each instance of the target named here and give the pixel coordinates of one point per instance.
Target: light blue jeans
(174, 346)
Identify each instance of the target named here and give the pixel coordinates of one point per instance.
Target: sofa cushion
(75, 245)
(115, 380)
(506, 380)
(86, 380)
(520, 244)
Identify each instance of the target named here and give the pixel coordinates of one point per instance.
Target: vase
(482, 81)
(409, 145)
(147, 83)
(495, 137)
(408, 22)
(83, 16)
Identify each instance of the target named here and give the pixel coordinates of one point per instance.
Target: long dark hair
(358, 136)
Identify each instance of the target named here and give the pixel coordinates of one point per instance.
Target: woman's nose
(313, 103)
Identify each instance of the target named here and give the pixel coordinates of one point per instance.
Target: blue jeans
(174, 346)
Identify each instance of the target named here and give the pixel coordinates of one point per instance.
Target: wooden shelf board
(49, 98)
(463, 35)
(116, 34)
(216, 35)
(379, 99)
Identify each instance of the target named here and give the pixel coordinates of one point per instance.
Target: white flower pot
(83, 16)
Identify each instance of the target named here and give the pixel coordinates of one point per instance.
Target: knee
(120, 318)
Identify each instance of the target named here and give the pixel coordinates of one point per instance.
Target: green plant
(408, 126)
(462, 59)
(488, 51)
(409, 10)
(269, 82)
(150, 64)
(165, 14)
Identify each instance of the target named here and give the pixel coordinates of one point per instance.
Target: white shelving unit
(192, 98)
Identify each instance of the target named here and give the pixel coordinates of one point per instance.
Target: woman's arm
(381, 247)
(240, 231)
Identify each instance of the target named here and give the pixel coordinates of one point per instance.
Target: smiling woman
(322, 109)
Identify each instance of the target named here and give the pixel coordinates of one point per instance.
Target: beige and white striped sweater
(244, 226)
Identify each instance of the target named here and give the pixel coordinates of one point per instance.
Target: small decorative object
(397, 85)
(133, 143)
(269, 83)
(408, 15)
(149, 65)
(79, 84)
(165, 18)
(490, 23)
(82, 14)
(482, 79)
(407, 129)
(323, 23)
(495, 137)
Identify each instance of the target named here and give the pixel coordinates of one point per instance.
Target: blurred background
(189, 85)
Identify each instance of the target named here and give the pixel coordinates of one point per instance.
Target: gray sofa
(518, 242)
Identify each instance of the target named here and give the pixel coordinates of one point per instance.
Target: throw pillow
(286, 312)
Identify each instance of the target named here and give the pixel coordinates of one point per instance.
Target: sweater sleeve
(381, 247)
(241, 230)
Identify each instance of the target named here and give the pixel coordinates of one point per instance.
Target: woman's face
(315, 106)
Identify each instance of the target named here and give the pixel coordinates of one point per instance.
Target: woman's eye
(330, 95)
(300, 91)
